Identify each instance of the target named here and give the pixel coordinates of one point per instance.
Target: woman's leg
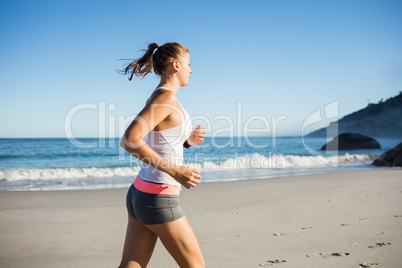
(138, 246)
(179, 239)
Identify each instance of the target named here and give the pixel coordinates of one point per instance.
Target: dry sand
(345, 219)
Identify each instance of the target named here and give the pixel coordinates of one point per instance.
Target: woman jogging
(157, 137)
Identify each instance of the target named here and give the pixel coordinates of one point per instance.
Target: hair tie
(156, 49)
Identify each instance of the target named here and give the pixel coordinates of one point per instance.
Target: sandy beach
(345, 219)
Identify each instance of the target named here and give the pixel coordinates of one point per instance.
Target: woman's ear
(176, 65)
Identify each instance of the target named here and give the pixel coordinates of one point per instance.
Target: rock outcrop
(351, 141)
(382, 119)
(391, 158)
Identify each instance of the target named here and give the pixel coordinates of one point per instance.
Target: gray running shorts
(153, 208)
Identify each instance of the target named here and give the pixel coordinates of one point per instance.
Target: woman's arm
(197, 136)
(155, 111)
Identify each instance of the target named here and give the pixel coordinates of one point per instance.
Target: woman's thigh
(179, 239)
(139, 244)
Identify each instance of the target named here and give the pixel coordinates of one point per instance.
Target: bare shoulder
(163, 96)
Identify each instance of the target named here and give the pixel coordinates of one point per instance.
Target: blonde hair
(157, 60)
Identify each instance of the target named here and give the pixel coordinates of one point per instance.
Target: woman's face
(184, 70)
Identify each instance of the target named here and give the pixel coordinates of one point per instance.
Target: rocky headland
(376, 120)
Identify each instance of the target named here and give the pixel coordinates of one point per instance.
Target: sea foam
(245, 162)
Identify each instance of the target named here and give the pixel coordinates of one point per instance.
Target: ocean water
(92, 163)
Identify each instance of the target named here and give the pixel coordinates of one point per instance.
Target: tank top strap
(161, 88)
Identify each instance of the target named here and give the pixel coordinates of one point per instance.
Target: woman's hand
(197, 135)
(186, 176)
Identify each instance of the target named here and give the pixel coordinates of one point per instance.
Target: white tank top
(167, 143)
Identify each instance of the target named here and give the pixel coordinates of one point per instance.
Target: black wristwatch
(186, 145)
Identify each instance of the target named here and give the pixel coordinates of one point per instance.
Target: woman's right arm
(133, 142)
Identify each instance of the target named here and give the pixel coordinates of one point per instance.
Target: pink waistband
(155, 188)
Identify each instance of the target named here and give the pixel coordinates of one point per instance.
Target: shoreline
(125, 182)
(337, 219)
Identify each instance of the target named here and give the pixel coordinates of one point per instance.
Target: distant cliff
(383, 119)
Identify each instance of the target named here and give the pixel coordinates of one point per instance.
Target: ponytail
(143, 66)
(157, 61)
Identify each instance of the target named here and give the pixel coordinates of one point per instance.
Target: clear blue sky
(278, 58)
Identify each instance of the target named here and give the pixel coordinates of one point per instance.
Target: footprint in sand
(279, 234)
(379, 233)
(380, 244)
(368, 264)
(306, 228)
(335, 254)
(345, 224)
(398, 216)
(271, 262)
(340, 254)
(362, 219)
(276, 261)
